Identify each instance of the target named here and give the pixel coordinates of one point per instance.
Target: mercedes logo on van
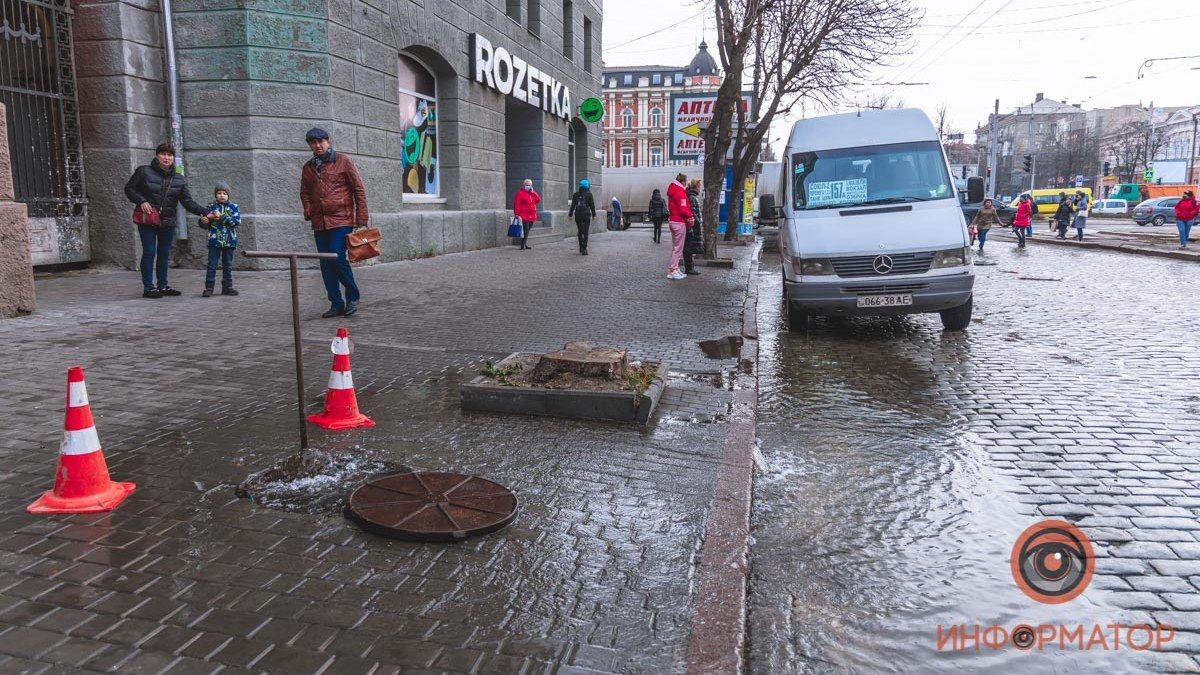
(882, 264)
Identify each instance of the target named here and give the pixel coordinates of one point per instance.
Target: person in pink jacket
(525, 207)
(679, 219)
(1022, 220)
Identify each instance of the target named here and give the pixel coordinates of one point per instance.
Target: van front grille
(864, 265)
(881, 289)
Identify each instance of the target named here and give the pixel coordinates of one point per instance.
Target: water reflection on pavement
(878, 516)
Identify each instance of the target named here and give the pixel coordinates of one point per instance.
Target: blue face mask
(528, 187)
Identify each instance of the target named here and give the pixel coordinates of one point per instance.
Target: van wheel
(957, 318)
(797, 320)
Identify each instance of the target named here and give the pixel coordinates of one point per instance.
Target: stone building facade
(442, 139)
(637, 100)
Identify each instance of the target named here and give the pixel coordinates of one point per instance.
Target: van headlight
(952, 257)
(811, 266)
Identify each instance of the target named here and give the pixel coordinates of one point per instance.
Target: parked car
(1110, 207)
(1155, 211)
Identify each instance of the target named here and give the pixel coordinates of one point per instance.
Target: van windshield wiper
(892, 200)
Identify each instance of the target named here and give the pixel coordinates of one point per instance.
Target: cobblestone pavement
(901, 462)
(192, 395)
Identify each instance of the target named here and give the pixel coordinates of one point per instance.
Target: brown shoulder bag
(362, 244)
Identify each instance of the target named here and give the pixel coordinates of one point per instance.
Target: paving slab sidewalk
(191, 395)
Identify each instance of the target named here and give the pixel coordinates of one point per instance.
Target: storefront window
(418, 129)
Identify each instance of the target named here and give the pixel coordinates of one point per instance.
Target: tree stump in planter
(580, 358)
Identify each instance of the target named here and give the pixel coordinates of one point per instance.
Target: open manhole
(432, 506)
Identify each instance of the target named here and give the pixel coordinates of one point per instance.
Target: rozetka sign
(497, 68)
(690, 114)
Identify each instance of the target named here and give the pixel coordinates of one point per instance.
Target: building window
(587, 44)
(533, 17)
(678, 78)
(656, 155)
(568, 18)
(421, 173)
(627, 118)
(612, 83)
(513, 9)
(656, 78)
(656, 118)
(666, 79)
(628, 79)
(626, 155)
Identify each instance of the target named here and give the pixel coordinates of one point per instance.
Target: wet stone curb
(718, 637)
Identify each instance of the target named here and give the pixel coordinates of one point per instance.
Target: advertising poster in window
(690, 114)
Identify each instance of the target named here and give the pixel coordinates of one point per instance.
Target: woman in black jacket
(1062, 217)
(157, 191)
(657, 213)
(693, 241)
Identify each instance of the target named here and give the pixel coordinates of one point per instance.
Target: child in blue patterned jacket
(222, 220)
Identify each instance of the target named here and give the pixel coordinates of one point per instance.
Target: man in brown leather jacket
(335, 202)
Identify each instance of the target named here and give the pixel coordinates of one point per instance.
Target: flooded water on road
(877, 515)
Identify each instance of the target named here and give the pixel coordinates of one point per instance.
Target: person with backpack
(1185, 216)
(583, 209)
(658, 213)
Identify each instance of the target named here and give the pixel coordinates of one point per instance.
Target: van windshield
(877, 174)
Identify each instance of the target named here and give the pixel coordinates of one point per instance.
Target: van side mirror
(975, 190)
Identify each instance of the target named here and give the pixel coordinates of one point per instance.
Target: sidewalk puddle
(722, 348)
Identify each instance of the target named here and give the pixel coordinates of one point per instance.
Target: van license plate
(892, 300)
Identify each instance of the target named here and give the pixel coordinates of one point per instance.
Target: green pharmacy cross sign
(591, 110)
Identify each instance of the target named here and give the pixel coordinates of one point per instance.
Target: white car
(871, 222)
(1110, 207)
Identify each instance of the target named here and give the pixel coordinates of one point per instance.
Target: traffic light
(989, 172)
(964, 171)
(1107, 168)
(1028, 163)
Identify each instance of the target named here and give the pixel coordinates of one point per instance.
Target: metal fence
(37, 87)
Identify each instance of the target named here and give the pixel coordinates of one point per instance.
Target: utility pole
(993, 150)
(1191, 179)
(1033, 166)
(1149, 141)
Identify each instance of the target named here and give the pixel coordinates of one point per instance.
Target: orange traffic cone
(341, 405)
(81, 484)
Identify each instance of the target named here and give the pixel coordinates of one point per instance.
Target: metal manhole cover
(432, 506)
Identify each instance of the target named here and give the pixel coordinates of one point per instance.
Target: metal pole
(1192, 154)
(173, 105)
(1033, 162)
(993, 152)
(299, 360)
(293, 271)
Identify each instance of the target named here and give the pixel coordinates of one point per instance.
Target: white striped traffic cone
(341, 404)
(81, 484)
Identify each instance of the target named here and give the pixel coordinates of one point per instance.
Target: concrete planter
(612, 406)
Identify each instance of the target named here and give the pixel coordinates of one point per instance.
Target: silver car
(1155, 211)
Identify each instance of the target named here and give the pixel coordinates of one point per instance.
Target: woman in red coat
(1021, 221)
(679, 219)
(525, 207)
(1185, 216)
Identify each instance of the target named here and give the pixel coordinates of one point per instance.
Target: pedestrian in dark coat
(158, 191)
(658, 213)
(583, 209)
(1064, 215)
(693, 239)
(335, 202)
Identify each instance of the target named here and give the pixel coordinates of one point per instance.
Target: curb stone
(718, 637)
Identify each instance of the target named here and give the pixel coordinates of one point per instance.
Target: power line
(659, 30)
(1029, 8)
(931, 46)
(1020, 24)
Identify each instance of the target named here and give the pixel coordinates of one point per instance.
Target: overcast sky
(1012, 50)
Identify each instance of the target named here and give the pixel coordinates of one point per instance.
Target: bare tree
(941, 116)
(882, 101)
(1129, 146)
(794, 50)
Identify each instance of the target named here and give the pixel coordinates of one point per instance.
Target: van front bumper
(840, 297)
